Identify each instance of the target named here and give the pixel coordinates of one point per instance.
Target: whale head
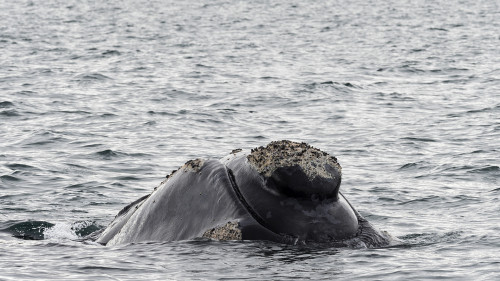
(293, 189)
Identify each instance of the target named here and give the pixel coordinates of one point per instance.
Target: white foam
(64, 231)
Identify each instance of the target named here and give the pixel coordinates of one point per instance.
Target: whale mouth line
(242, 199)
(286, 238)
(252, 212)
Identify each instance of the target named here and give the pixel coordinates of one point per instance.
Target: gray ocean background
(100, 100)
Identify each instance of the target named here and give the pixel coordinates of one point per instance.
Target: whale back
(182, 207)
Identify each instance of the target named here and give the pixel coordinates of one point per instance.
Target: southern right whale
(285, 192)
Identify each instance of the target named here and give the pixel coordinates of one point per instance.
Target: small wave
(9, 178)
(164, 113)
(127, 178)
(486, 109)
(107, 115)
(44, 138)
(408, 166)
(424, 239)
(91, 78)
(432, 198)
(9, 113)
(474, 111)
(79, 112)
(26, 93)
(462, 199)
(414, 166)
(437, 29)
(345, 86)
(108, 53)
(457, 80)
(487, 169)
(418, 139)
(5, 104)
(92, 145)
(108, 154)
(394, 96)
(449, 70)
(203, 66)
(417, 50)
(20, 167)
(478, 151)
(459, 171)
(408, 68)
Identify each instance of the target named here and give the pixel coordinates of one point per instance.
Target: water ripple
(99, 101)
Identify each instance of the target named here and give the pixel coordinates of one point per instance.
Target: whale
(285, 192)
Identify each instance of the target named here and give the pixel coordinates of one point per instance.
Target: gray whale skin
(286, 192)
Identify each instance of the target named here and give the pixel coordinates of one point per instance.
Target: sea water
(100, 100)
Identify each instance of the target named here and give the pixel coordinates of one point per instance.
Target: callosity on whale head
(285, 192)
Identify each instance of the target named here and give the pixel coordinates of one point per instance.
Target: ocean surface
(100, 100)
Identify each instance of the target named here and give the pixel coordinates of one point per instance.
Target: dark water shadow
(35, 230)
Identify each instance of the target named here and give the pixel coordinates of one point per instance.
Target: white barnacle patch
(193, 165)
(190, 166)
(287, 154)
(229, 231)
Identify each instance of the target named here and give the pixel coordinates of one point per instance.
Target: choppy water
(99, 100)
